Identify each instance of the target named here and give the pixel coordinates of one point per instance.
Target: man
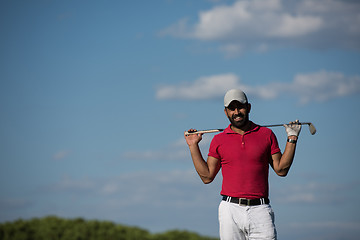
(244, 152)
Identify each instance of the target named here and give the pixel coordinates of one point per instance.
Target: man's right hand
(192, 139)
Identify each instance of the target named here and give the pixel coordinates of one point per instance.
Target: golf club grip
(204, 131)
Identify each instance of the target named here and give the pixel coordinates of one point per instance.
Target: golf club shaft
(279, 125)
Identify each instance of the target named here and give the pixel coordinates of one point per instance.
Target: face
(238, 114)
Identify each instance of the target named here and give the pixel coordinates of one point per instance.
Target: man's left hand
(293, 128)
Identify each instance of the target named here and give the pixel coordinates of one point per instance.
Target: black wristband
(291, 140)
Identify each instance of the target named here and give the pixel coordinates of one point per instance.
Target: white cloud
(317, 86)
(253, 19)
(323, 85)
(202, 88)
(255, 23)
(289, 26)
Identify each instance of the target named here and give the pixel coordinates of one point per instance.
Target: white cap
(235, 94)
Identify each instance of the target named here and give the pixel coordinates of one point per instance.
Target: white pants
(246, 222)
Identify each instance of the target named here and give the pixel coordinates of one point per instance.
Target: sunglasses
(236, 105)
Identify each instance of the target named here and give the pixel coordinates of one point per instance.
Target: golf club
(312, 128)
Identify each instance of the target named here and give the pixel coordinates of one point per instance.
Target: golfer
(244, 151)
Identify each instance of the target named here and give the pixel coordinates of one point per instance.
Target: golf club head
(312, 128)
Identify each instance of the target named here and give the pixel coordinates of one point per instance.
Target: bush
(55, 228)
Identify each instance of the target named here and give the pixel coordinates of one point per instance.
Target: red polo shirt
(245, 160)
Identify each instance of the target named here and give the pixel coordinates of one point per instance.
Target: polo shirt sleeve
(274, 144)
(213, 149)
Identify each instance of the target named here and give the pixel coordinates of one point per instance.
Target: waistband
(245, 201)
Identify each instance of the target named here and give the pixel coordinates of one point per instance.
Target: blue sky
(95, 97)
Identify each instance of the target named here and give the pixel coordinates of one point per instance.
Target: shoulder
(218, 137)
(266, 130)
(263, 131)
(223, 133)
(221, 137)
(260, 129)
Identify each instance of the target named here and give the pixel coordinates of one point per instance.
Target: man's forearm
(200, 164)
(292, 129)
(287, 158)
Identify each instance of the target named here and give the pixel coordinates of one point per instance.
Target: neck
(242, 129)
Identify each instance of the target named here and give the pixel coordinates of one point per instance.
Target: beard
(239, 124)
